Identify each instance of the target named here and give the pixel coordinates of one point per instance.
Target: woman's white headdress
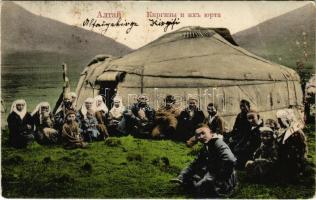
(13, 108)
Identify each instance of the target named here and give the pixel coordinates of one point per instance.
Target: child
(70, 132)
(265, 156)
(20, 125)
(89, 127)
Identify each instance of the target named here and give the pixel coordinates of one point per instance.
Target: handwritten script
(104, 26)
(165, 24)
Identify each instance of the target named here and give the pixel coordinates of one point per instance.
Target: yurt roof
(199, 52)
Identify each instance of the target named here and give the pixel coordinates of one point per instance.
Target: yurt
(194, 61)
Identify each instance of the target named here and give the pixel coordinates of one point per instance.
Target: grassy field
(122, 167)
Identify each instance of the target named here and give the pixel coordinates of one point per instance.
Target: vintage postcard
(158, 99)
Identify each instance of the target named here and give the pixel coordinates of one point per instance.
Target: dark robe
(187, 124)
(20, 134)
(241, 126)
(136, 126)
(248, 143)
(212, 173)
(45, 132)
(102, 119)
(262, 166)
(292, 154)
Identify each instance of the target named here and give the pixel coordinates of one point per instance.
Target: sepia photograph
(148, 99)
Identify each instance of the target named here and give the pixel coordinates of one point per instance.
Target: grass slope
(120, 168)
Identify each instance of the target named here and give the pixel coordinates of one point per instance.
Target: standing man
(189, 118)
(212, 173)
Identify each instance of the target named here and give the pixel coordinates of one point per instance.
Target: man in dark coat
(249, 141)
(212, 173)
(140, 118)
(189, 118)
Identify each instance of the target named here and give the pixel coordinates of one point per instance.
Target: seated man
(240, 127)
(139, 119)
(188, 120)
(212, 173)
(250, 141)
(166, 119)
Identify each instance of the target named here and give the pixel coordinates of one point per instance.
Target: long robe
(71, 136)
(187, 124)
(166, 122)
(44, 131)
(20, 134)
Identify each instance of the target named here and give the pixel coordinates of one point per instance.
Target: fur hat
(70, 112)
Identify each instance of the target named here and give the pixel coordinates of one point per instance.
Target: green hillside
(284, 39)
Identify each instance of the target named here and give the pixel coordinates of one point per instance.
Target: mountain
(284, 39)
(32, 51)
(25, 33)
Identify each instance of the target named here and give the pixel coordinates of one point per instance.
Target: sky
(235, 16)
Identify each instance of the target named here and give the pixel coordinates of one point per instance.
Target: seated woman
(89, 127)
(71, 136)
(101, 114)
(20, 125)
(116, 116)
(291, 143)
(262, 165)
(43, 120)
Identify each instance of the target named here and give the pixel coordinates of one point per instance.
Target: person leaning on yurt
(205, 62)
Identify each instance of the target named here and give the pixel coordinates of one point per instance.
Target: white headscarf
(294, 124)
(102, 107)
(84, 108)
(38, 109)
(117, 112)
(13, 108)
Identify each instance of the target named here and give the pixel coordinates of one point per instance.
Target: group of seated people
(257, 146)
